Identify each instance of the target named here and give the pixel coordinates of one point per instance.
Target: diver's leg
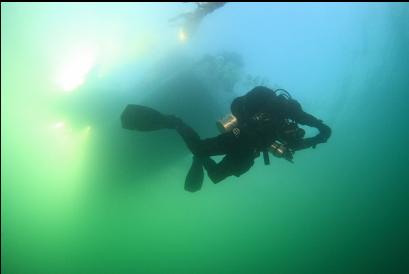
(219, 145)
(230, 165)
(188, 134)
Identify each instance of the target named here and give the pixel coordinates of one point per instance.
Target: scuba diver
(261, 121)
(193, 19)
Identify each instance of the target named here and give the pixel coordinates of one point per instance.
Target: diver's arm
(304, 144)
(296, 113)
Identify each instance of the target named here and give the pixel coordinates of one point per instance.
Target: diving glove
(325, 133)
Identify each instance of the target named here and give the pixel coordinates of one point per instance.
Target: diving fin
(137, 117)
(194, 178)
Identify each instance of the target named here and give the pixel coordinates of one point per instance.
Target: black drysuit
(251, 136)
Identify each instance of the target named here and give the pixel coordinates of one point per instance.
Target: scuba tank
(290, 134)
(228, 123)
(281, 151)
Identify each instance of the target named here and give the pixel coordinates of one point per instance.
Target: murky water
(79, 194)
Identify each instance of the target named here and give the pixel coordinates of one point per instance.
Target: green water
(81, 195)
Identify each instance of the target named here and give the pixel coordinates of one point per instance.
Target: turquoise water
(81, 195)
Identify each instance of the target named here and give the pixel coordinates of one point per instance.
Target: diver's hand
(325, 133)
(304, 144)
(320, 138)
